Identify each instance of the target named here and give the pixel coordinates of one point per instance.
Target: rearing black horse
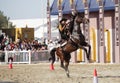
(76, 41)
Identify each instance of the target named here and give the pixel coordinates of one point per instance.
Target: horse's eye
(88, 20)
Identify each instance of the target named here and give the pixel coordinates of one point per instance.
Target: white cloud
(29, 22)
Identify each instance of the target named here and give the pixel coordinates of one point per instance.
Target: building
(22, 33)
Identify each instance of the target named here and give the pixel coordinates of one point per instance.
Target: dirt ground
(41, 73)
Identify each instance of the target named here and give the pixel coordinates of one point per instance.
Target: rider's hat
(63, 19)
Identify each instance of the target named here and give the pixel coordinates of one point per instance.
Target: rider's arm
(61, 28)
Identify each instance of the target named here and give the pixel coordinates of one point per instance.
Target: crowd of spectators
(20, 45)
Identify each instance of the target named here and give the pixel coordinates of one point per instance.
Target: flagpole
(59, 10)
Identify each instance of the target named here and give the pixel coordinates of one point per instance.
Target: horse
(76, 41)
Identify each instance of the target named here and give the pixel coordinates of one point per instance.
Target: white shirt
(50, 46)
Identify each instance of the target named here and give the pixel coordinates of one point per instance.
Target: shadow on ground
(6, 82)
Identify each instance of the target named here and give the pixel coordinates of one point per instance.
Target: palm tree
(4, 22)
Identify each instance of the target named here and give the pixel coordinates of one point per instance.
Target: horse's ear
(75, 13)
(88, 20)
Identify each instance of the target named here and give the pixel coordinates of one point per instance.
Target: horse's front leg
(87, 55)
(89, 51)
(62, 64)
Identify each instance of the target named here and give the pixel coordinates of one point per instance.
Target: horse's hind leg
(66, 68)
(67, 60)
(61, 57)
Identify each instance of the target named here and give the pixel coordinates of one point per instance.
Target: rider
(64, 33)
(64, 23)
(63, 30)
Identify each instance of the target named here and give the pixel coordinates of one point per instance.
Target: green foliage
(4, 22)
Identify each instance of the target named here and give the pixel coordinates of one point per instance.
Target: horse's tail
(52, 54)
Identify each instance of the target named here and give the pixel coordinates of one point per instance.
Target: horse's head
(81, 19)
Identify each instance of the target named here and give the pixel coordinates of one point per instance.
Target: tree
(4, 22)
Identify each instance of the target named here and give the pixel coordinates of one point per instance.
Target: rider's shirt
(63, 32)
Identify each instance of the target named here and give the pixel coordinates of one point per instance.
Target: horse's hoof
(90, 61)
(62, 66)
(68, 75)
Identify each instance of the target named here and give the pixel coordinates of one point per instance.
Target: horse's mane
(73, 19)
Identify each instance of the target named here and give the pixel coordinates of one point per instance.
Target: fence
(25, 56)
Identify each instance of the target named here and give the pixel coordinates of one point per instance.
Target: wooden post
(59, 13)
(72, 5)
(48, 21)
(101, 33)
(117, 32)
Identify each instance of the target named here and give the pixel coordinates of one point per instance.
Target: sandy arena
(40, 73)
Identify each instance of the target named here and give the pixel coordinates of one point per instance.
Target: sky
(24, 9)
(27, 12)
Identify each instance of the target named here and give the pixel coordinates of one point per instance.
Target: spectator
(50, 45)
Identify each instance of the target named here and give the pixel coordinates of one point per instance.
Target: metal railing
(25, 56)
